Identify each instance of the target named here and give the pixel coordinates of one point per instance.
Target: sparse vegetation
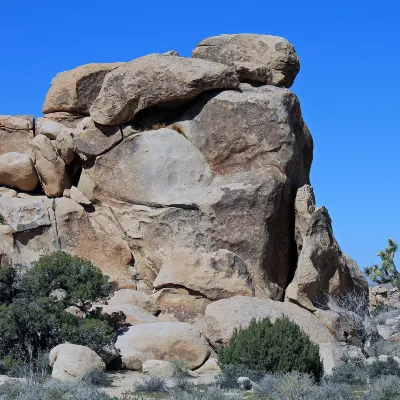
(387, 271)
(280, 346)
(151, 384)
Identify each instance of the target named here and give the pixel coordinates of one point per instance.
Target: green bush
(351, 373)
(8, 290)
(81, 281)
(280, 346)
(385, 388)
(381, 368)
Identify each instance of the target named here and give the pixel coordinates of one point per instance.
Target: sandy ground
(126, 380)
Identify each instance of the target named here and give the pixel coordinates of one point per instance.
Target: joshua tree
(386, 272)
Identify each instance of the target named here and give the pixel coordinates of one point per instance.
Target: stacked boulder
(186, 180)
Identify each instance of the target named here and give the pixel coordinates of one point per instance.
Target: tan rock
(81, 236)
(76, 195)
(181, 305)
(17, 171)
(271, 60)
(155, 167)
(321, 267)
(161, 368)
(71, 361)
(65, 146)
(134, 297)
(76, 90)
(7, 192)
(49, 127)
(16, 134)
(156, 79)
(163, 341)
(223, 316)
(211, 365)
(216, 275)
(134, 315)
(50, 167)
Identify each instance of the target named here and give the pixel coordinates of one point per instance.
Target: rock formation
(186, 179)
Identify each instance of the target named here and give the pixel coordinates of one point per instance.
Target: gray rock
(155, 167)
(267, 59)
(155, 79)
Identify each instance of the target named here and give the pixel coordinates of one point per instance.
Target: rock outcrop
(186, 181)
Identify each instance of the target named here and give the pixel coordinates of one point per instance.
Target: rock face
(155, 79)
(270, 60)
(321, 267)
(163, 341)
(223, 316)
(215, 275)
(17, 171)
(16, 134)
(71, 361)
(186, 179)
(76, 90)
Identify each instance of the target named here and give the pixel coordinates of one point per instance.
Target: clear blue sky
(348, 85)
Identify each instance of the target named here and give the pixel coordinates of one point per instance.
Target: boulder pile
(186, 180)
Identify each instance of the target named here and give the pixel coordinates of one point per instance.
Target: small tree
(386, 272)
(266, 346)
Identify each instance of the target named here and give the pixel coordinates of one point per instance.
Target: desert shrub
(280, 346)
(183, 383)
(269, 384)
(383, 347)
(151, 384)
(294, 386)
(330, 391)
(351, 373)
(385, 388)
(381, 368)
(50, 390)
(98, 378)
(230, 373)
(81, 281)
(8, 288)
(210, 393)
(30, 326)
(381, 308)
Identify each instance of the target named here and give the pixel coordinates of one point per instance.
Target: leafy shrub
(30, 326)
(385, 388)
(269, 384)
(81, 281)
(280, 346)
(381, 368)
(351, 373)
(330, 391)
(152, 384)
(230, 373)
(98, 378)
(7, 284)
(210, 393)
(51, 390)
(381, 308)
(294, 386)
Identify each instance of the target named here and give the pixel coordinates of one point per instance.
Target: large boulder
(238, 132)
(16, 134)
(50, 166)
(270, 60)
(163, 341)
(153, 80)
(17, 171)
(155, 167)
(72, 361)
(215, 275)
(322, 268)
(178, 304)
(223, 316)
(76, 90)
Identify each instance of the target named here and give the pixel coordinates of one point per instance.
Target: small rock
(76, 195)
(161, 368)
(244, 383)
